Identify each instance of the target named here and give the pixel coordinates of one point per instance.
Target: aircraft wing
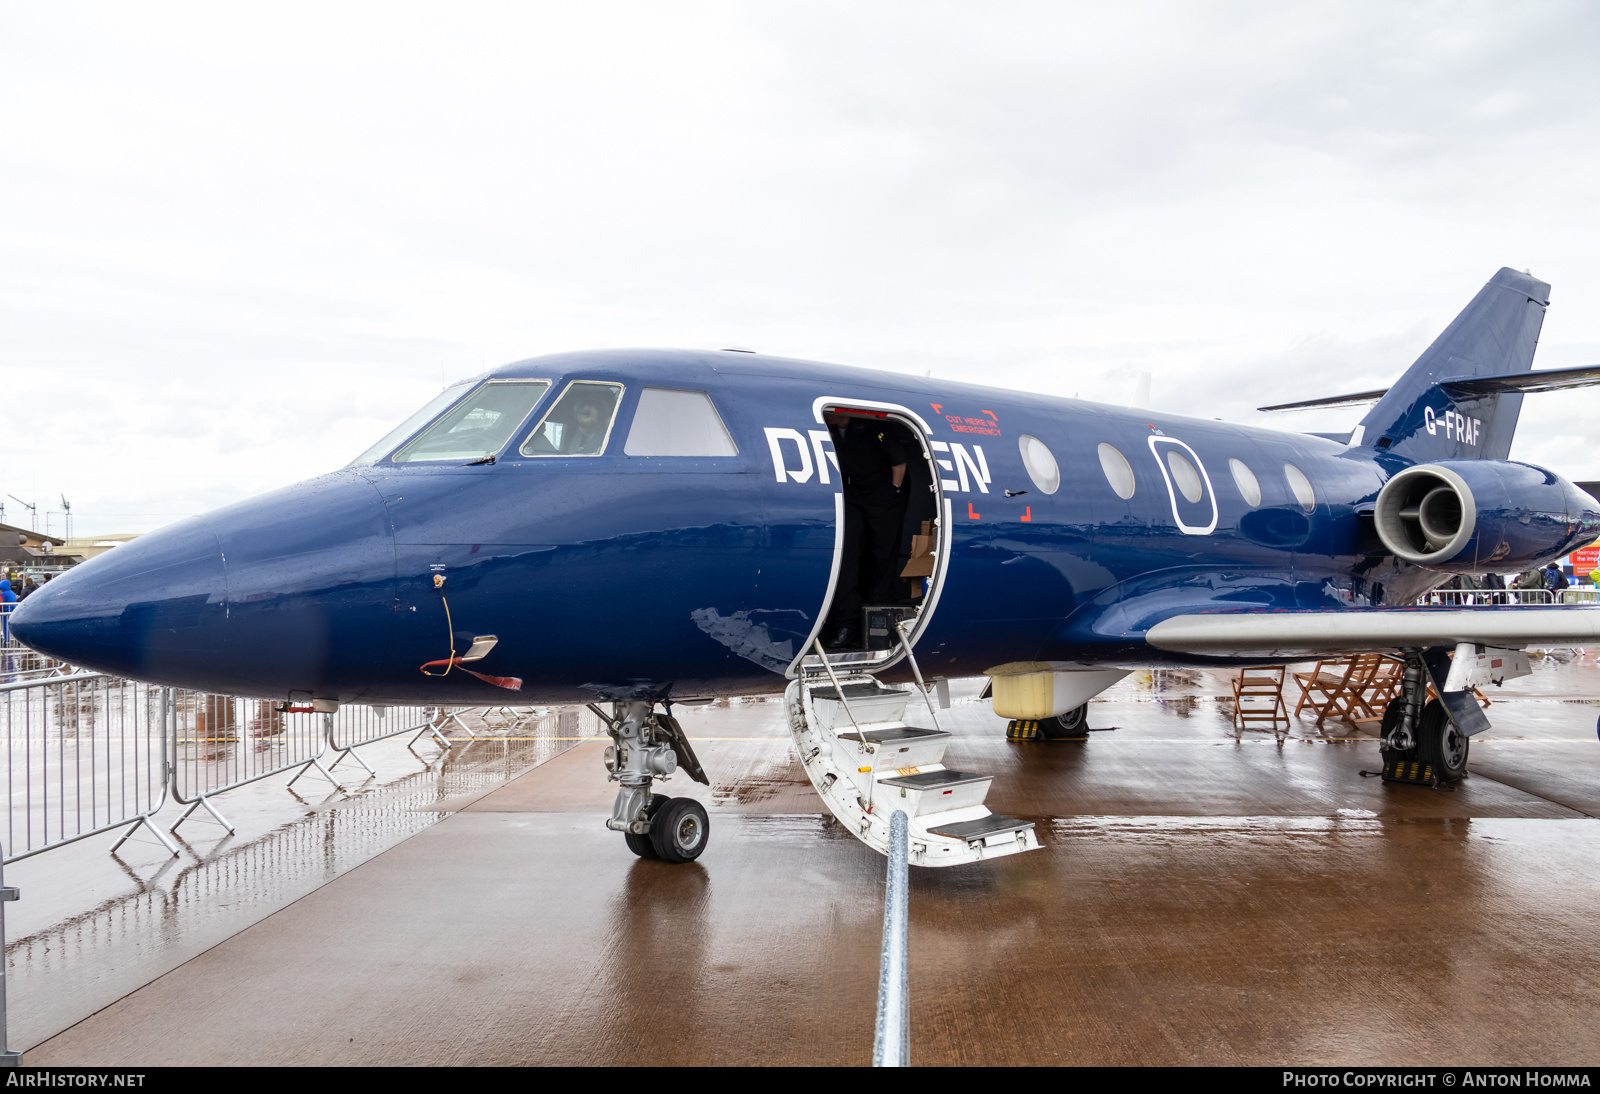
(1316, 633)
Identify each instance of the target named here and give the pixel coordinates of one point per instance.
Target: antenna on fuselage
(1141, 392)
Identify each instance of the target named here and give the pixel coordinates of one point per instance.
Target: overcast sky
(239, 242)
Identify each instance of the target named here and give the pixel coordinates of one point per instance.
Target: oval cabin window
(1301, 486)
(1184, 476)
(1040, 463)
(1118, 472)
(1245, 479)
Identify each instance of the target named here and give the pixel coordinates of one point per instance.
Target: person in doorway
(873, 455)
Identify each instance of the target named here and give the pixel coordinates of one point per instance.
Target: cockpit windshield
(412, 424)
(480, 426)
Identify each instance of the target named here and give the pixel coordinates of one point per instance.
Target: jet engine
(1469, 516)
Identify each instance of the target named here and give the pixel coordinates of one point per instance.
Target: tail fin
(1494, 335)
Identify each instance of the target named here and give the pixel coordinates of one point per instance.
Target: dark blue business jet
(640, 528)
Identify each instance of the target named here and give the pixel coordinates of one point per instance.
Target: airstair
(866, 763)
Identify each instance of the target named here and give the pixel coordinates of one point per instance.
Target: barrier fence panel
(1492, 598)
(362, 725)
(85, 753)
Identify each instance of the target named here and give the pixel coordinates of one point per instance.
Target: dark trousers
(873, 523)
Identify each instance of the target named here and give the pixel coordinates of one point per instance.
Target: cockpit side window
(412, 424)
(580, 422)
(480, 425)
(669, 422)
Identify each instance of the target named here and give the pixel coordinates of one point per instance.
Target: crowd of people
(1551, 578)
(14, 588)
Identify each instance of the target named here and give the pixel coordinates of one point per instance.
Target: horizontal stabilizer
(1356, 399)
(1550, 379)
(1309, 634)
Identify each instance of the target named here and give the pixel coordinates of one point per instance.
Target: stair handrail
(900, 629)
(838, 687)
(891, 1042)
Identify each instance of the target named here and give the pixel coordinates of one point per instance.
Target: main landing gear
(1071, 726)
(1420, 742)
(647, 746)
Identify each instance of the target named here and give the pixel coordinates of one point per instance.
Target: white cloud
(243, 241)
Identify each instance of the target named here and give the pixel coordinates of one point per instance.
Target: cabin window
(580, 422)
(1040, 463)
(480, 425)
(677, 423)
(1245, 479)
(1186, 478)
(412, 424)
(1301, 486)
(1118, 471)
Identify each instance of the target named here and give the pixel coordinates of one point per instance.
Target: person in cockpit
(578, 424)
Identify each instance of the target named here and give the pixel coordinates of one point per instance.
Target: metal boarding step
(866, 763)
(984, 828)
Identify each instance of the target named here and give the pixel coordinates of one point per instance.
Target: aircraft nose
(288, 593)
(143, 610)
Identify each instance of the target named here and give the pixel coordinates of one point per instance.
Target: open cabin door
(866, 747)
(924, 506)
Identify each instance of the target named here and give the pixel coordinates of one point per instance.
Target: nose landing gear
(647, 746)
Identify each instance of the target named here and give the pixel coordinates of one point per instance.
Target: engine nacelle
(1471, 516)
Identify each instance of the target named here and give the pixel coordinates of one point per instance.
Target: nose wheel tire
(678, 833)
(641, 845)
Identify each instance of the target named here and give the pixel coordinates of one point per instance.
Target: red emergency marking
(1027, 514)
(972, 514)
(938, 408)
(992, 414)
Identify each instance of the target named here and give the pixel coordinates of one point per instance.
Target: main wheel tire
(1071, 726)
(1441, 743)
(1392, 715)
(641, 845)
(679, 832)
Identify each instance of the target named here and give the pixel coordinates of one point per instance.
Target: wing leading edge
(1357, 630)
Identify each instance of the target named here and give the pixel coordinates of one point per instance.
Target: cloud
(246, 241)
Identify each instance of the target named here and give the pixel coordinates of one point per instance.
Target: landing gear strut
(647, 746)
(1420, 742)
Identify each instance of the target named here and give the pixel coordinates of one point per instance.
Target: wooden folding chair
(1258, 697)
(1340, 688)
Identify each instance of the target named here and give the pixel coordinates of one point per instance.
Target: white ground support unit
(866, 763)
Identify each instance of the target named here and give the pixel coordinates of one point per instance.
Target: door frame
(878, 660)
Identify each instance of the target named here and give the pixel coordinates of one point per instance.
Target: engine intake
(1468, 516)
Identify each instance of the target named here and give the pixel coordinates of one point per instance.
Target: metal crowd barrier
(1497, 598)
(7, 893)
(220, 742)
(85, 754)
(88, 753)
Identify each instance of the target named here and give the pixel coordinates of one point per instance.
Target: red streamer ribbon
(510, 683)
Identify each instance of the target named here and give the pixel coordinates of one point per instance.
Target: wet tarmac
(1204, 896)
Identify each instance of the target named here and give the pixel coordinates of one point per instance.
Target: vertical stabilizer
(1494, 335)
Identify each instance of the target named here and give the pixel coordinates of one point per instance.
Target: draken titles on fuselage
(814, 452)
